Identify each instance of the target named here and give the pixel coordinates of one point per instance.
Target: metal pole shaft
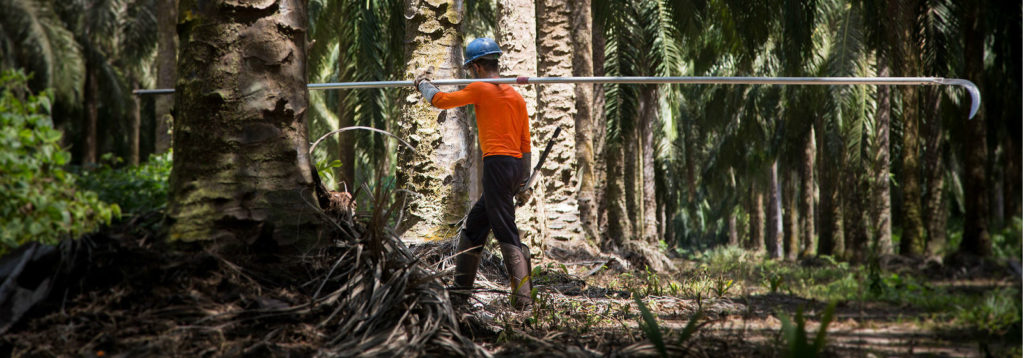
(818, 81)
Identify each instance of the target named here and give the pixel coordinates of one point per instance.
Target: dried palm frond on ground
(367, 295)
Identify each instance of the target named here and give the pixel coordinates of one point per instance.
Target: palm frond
(36, 40)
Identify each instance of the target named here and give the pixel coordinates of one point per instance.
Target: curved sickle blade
(971, 88)
(543, 156)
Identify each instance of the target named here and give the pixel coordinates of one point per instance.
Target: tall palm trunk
(976, 239)
(90, 143)
(855, 220)
(630, 172)
(241, 169)
(135, 127)
(583, 66)
(912, 242)
(557, 108)
(649, 115)
(935, 206)
(830, 164)
(600, 129)
(773, 238)
(756, 211)
(790, 219)
(620, 228)
(438, 169)
(734, 235)
(516, 35)
(881, 210)
(807, 195)
(166, 59)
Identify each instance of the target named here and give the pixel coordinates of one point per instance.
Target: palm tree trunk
(90, 145)
(912, 242)
(620, 228)
(790, 219)
(734, 236)
(831, 233)
(649, 115)
(976, 239)
(855, 220)
(241, 168)
(438, 169)
(557, 108)
(630, 172)
(773, 239)
(516, 35)
(599, 126)
(583, 66)
(881, 210)
(807, 195)
(935, 206)
(166, 59)
(756, 210)
(136, 127)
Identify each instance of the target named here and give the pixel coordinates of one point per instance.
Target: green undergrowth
(992, 312)
(136, 188)
(39, 200)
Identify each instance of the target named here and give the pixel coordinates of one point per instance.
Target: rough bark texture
(648, 116)
(438, 170)
(807, 232)
(790, 219)
(167, 45)
(881, 211)
(516, 35)
(601, 170)
(583, 66)
(241, 171)
(935, 205)
(773, 238)
(620, 228)
(912, 241)
(556, 107)
(855, 207)
(976, 239)
(631, 174)
(756, 210)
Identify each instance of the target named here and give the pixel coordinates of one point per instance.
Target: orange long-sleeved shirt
(501, 117)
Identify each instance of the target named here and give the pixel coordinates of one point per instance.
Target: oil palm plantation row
(794, 171)
(845, 130)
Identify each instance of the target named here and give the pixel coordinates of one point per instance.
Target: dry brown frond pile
(129, 295)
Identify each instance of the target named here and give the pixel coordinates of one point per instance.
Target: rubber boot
(467, 260)
(517, 262)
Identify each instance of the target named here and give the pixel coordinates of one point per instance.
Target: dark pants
(495, 209)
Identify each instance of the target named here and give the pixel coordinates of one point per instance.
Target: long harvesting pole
(785, 81)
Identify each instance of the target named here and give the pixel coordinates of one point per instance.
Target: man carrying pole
(504, 132)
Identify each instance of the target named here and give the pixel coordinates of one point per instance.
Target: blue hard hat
(479, 48)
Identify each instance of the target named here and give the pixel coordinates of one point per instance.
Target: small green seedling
(797, 344)
(649, 324)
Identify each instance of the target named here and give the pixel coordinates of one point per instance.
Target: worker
(504, 132)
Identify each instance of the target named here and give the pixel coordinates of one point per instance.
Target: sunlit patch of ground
(577, 314)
